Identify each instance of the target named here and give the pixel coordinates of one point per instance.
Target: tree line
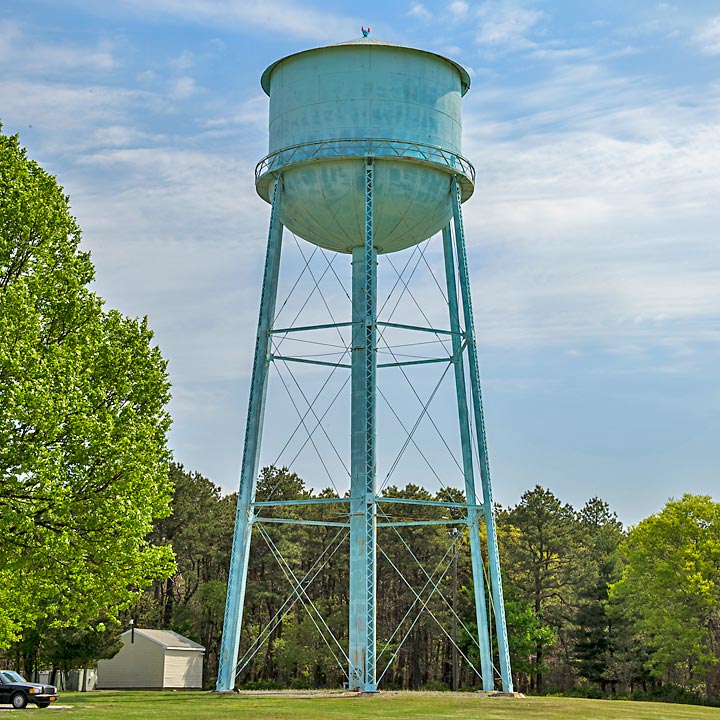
(592, 608)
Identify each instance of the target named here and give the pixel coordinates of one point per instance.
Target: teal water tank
(333, 107)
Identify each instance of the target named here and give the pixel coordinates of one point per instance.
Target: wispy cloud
(418, 10)
(115, 136)
(506, 25)
(251, 114)
(36, 58)
(498, 26)
(192, 238)
(708, 37)
(279, 16)
(551, 53)
(66, 116)
(70, 113)
(184, 61)
(593, 216)
(459, 9)
(183, 88)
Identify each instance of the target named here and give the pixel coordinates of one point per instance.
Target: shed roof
(168, 639)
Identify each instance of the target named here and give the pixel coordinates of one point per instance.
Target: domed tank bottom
(324, 190)
(324, 203)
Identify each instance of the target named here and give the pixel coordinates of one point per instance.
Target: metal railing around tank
(381, 148)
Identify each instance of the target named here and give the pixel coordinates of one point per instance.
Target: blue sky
(595, 131)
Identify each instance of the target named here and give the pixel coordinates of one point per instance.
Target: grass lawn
(128, 705)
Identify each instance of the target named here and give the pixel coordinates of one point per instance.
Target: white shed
(153, 659)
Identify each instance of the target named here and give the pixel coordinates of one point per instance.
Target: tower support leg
(362, 456)
(468, 472)
(251, 454)
(494, 557)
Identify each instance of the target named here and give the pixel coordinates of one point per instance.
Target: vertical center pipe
(362, 455)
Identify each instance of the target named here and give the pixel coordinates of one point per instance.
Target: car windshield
(10, 676)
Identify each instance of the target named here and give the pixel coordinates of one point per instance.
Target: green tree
(80, 648)
(540, 549)
(83, 421)
(525, 633)
(596, 634)
(671, 587)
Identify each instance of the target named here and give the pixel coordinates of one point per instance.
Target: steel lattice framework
(363, 502)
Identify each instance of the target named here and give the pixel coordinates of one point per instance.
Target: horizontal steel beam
(404, 363)
(430, 503)
(411, 523)
(309, 501)
(419, 328)
(325, 363)
(284, 331)
(307, 361)
(295, 521)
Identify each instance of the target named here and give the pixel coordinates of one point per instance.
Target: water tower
(365, 143)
